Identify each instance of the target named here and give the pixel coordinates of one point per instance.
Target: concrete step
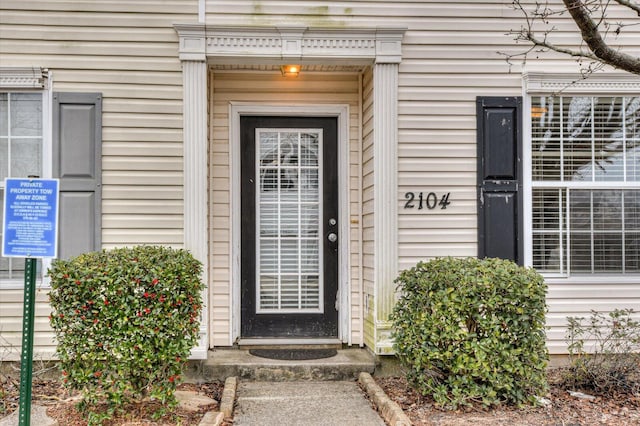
(223, 363)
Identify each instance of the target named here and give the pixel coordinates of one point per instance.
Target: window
(21, 154)
(585, 184)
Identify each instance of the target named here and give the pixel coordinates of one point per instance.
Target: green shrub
(471, 330)
(603, 352)
(125, 322)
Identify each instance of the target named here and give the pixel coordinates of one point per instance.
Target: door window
(288, 203)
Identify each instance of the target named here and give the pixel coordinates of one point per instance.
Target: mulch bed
(619, 410)
(566, 410)
(61, 405)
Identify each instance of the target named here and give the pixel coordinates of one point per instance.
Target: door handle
(332, 237)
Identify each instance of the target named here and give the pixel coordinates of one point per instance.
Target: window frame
(569, 85)
(30, 80)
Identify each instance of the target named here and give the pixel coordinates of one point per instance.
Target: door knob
(333, 237)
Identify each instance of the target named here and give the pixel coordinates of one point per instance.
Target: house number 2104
(431, 200)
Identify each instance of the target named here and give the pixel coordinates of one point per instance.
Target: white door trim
(238, 109)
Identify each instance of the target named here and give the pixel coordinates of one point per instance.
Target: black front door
(289, 247)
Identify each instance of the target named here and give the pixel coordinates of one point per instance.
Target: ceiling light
(290, 70)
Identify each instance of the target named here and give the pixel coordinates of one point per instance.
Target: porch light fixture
(290, 70)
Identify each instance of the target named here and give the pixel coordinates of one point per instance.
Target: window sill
(594, 279)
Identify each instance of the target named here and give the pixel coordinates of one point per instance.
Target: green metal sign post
(26, 359)
(30, 231)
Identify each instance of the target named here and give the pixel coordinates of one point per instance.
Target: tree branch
(575, 53)
(595, 42)
(630, 4)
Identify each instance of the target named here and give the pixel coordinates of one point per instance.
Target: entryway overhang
(201, 46)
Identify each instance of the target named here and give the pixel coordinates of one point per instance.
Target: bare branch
(570, 52)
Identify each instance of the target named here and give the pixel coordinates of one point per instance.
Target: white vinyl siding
(271, 88)
(128, 52)
(449, 56)
(368, 231)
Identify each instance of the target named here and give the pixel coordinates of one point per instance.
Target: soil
(61, 405)
(563, 409)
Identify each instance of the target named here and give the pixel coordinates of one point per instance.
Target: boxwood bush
(470, 330)
(125, 321)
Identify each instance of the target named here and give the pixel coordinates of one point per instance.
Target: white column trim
(196, 205)
(385, 178)
(572, 84)
(245, 44)
(23, 78)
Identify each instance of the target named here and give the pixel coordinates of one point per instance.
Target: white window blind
(586, 184)
(288, 205)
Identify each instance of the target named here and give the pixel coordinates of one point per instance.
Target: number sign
(431, 200)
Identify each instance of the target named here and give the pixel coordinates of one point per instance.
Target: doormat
(294, 354)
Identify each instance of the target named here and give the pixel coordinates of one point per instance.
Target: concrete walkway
(305, 403)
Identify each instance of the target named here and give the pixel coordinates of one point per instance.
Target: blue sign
(30, 225)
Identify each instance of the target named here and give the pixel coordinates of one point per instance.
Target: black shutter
(77, 153)
(499, 122)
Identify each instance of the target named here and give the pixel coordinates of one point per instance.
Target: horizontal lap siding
(126, 50)
(449, 57)
(447, 62)
(11, 307)
(578, 298)
(270, 88)
(368, 255)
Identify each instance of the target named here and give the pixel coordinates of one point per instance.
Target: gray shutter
(499, 133)
(77, 153)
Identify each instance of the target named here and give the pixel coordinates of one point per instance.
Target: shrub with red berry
(125, 321)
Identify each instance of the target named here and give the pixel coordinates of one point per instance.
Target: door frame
(341, 112)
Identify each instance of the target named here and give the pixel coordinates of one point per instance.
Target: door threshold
(307, 343)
